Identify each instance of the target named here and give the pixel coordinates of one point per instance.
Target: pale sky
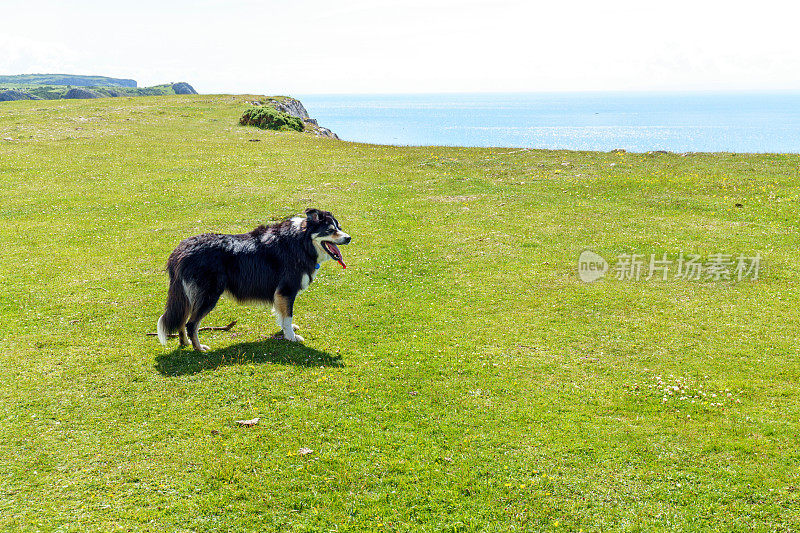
(314, 46)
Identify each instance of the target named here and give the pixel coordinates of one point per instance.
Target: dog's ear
(313, 215)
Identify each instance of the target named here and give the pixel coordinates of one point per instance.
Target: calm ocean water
(698, 122)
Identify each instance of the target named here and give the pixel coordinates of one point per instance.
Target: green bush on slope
(268, 118)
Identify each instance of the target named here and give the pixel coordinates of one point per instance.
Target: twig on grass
(204, 328)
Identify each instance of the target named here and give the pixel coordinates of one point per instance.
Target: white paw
(295, 327)
(294, 338)
(204, 348)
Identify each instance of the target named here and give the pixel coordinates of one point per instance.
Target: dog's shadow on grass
(186, 361)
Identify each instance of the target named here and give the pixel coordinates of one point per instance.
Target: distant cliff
(11, 95)
(32, 91)
(75, 80)
(183, 88)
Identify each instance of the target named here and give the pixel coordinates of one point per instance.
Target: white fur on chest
(306, 280)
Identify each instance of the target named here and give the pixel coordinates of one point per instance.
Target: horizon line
(547, 92)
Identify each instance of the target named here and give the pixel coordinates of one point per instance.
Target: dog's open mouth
(334, 252)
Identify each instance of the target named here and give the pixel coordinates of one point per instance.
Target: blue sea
(639, 122)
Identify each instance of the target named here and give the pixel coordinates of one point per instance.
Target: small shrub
(269, 118)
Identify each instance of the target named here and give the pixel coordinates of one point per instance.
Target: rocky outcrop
(13, 95)
(183, 88)
(75, 93)
(295, 108)
(290, 106)
(316, 129)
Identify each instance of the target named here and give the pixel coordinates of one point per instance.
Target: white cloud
(21, 54)
(308, 46)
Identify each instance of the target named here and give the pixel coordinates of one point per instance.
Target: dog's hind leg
(202, 305)
(184, 336)
(284, 306)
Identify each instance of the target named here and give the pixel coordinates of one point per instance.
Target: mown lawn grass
(458, 376)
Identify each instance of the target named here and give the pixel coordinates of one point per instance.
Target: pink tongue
(339, 253)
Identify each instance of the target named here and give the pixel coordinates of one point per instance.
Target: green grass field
(457, 376)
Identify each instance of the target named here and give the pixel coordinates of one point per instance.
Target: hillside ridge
(26, 87)
(78, 80)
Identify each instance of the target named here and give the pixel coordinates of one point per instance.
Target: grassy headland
(65, 79)
(66, 86)
(457, 376)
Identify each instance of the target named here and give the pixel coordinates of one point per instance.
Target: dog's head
(326, 234)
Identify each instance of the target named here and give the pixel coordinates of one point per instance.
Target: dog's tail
(175, 312)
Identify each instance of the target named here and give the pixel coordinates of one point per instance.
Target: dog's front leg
(284, 305)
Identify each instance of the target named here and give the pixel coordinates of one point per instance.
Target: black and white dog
(271, 264)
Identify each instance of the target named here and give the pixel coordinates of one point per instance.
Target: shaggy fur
(271, 264)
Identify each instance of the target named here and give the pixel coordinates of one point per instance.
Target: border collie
(271, 264)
